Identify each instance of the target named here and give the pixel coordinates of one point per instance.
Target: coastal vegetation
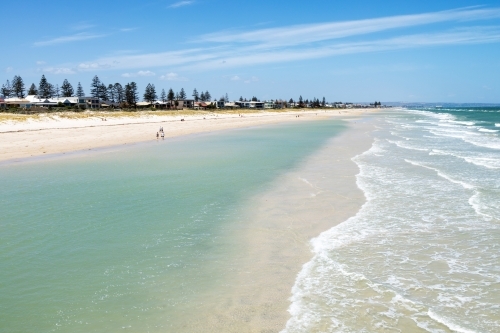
(118, 97)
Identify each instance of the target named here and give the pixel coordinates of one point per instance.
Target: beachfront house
(250, 104)
(269, 104)
(2, 103)
(230, 105)
(31, 101)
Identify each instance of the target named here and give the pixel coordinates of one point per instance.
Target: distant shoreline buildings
(115, 96)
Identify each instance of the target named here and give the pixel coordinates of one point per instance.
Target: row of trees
(16, 88)
(117, 93)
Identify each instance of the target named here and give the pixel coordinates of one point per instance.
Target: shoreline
(273, 236)
(58, 135)
(276, 232)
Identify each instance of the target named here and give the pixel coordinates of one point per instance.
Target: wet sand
(275, 237)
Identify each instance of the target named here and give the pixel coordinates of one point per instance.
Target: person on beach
(157, 135)
(162, 135)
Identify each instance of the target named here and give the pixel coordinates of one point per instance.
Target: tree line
(115, 93)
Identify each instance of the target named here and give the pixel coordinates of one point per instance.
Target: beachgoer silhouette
(157, 135)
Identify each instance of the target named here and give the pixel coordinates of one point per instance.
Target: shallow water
(423, 253)
(129, 237)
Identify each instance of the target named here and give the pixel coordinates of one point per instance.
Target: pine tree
(6, 90)
(182, 94)
(226, 98)
(18, 87)
(154, 96)
(95, 87)
(120, 93)
(33, 90)
(241, 98)
(111, 92)
(177, 97)
(196, 97)
(171, 97)
(103, 92)
(202, 97)
(79, 91)
(134, 93)
(208, 97)
(44, 88)
(51, 90)
(131, 94)
(150, 93)
(67, 89)
(128, 94)
(163, 96)
(323, 103)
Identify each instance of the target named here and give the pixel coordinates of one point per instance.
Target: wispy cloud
(235, 78)
(173, 77)
(300, 34)
(68, 39)
(181, 4)
(58, 70)
(93, 66)
(139, 73)
(127, 29)
(40, 62)
(82, 26)
(252, 79)
(9, 69)
(308, 42)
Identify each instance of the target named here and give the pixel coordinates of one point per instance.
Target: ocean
(423, 253)
(135, 238)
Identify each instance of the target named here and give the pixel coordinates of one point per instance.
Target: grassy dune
(16, 117)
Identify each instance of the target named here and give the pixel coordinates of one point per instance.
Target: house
(269, 105)
(2, 103)
(230, 105)
(143, 104)
(16, 102)
(280, 104)
(200, 106)
(34, 100)
(250, 104)
(188, 103)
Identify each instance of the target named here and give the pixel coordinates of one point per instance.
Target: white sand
(55, 135)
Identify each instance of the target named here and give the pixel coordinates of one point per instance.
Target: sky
(349, 51)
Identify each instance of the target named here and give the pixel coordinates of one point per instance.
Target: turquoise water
(423, 253)
(129, 237)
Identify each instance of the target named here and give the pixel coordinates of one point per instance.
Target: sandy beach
(26, 136)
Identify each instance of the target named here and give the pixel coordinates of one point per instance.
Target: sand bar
(275, 235)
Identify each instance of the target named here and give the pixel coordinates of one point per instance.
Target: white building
(35, 101)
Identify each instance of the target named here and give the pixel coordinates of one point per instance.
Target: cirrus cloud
(139, 73)
(181, 4)
(173, 77)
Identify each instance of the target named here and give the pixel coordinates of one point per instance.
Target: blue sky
(358, 50)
